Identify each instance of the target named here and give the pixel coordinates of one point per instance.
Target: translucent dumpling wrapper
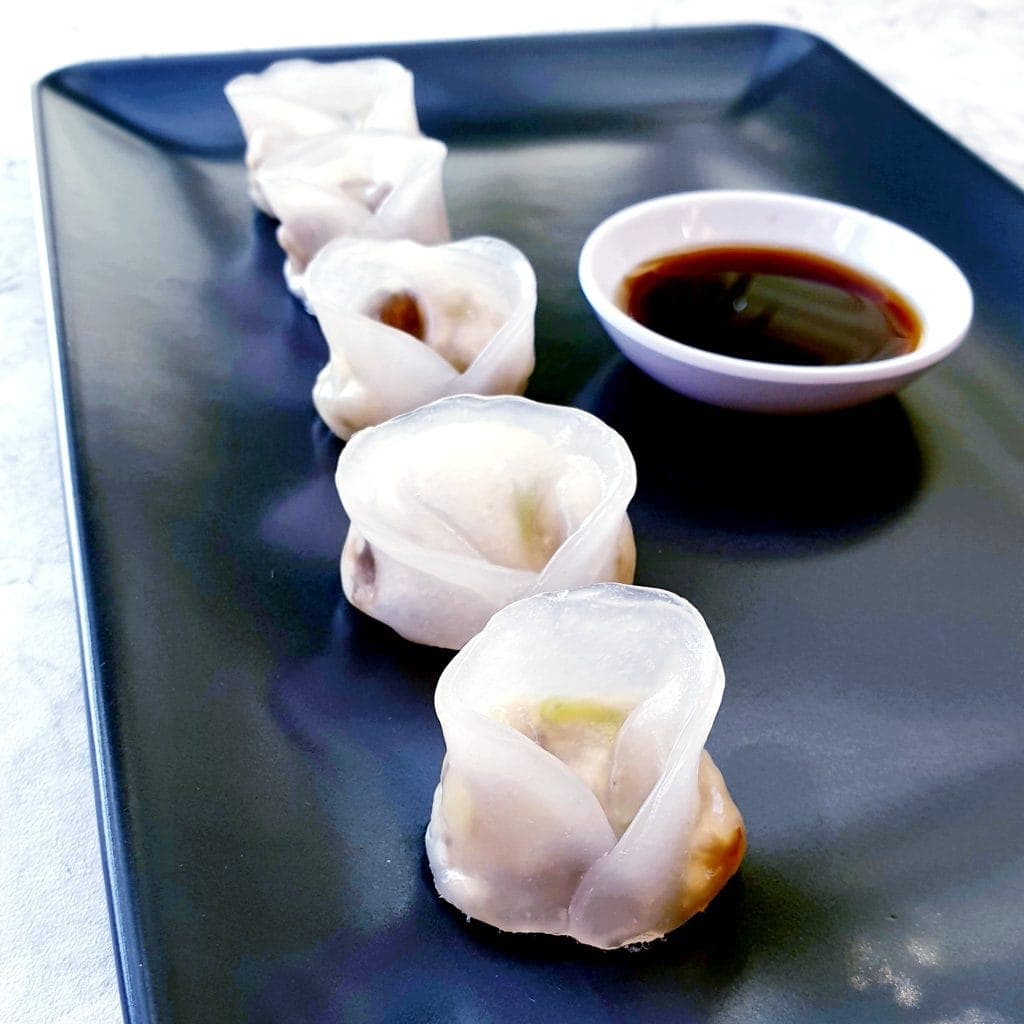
(294, 100)
(576, 797)
(469, 503)
(407, 324)
(354, 184)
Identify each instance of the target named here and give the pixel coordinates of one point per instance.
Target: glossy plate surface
(266, 756)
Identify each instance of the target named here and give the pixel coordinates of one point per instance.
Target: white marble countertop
(961, 63)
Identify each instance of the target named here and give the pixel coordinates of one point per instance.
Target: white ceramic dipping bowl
(914, 268)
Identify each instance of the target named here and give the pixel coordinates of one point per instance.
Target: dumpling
(576, 797)
(469, 503)
(407, 324)
(296, 99)
(357, 184)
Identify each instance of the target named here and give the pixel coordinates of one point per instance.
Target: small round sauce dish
(928, 286)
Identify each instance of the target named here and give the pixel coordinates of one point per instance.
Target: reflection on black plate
(267, 755)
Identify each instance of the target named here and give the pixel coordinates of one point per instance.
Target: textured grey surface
(55, 953)
(962, 68)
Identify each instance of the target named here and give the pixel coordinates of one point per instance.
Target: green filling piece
(537, 542)
(527, 507)
(556, 711)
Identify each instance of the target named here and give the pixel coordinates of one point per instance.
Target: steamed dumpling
(294, 100)
(576, 797)
(354, 184)
(408, 323)
(469, 503)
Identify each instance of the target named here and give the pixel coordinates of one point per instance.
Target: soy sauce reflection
(771, 306)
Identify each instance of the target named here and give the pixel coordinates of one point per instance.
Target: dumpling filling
(455, 322)
(402, 311)
(470, 503)
(580, 733)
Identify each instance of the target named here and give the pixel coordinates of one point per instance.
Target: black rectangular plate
(265, 756)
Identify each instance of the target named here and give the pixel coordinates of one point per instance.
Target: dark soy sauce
(770, 305)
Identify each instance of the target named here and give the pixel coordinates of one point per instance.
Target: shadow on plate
(365, 667)
(802, 481)
(279, 346)
(306, 521)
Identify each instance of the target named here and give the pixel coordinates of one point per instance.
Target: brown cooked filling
(401, 311)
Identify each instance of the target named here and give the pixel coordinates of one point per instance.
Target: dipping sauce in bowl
(770, 305)
(772, 302)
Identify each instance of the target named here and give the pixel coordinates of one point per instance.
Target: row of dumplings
(334, 153)
(576, 797)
